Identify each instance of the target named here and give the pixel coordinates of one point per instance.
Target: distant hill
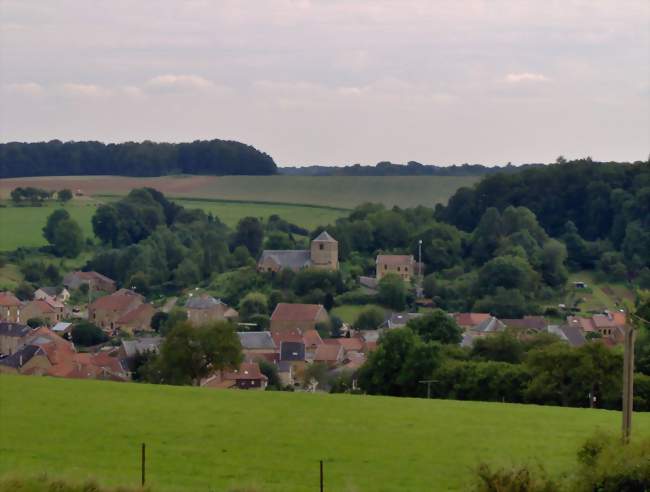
(412, 168)
(56, 158)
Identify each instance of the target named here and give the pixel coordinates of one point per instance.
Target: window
(321, 246)
(398, 269)
(406, 269)
(385, 267)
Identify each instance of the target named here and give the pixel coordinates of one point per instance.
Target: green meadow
(336, 191)
(22, 226)
(221, 440)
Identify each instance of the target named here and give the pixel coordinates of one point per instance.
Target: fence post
(143, 463)
(321, 476)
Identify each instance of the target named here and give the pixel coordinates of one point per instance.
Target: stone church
(323, 254)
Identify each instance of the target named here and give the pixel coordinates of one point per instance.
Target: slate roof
(256, 340)
(572, 334)
(22, 356)
(537, 323)
(14, 329)
(490, 325)
(294, 259)
(61, 326)
(202, 302)
(292, 351)
(324, 236)
(148, 344)
(50, 291)
(397, 320)
(296, 312)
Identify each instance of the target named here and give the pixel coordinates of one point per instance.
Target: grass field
(331, 191)
(349, 313)
(599, 295)
(22, 226)
(203, 440)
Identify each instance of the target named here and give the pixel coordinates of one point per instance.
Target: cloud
(516, 78)
(85, 90)
(180, 82)
(26, 88)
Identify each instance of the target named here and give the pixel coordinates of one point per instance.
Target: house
(204, 308)
(9, 307)
(47, 354)
(106, 311)
(468, 321)
(301, 317)
(609, 325)
(62, 329)
(330, 354)
(401, 265)
(49, 310)
(138, 319)
(12, 336)
(488, 326)
(247, 376)
(312, 340)
(258, 344)
(572, 334)
(94, 280)
(45, 293)
(323, 254)
(399, 320)
(534, 324)
(129, 349)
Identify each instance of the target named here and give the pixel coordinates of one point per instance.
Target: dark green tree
(436, 326)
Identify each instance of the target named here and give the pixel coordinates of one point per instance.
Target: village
(36, 336)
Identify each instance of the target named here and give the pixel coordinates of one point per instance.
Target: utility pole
(628, 382)
(420, 267)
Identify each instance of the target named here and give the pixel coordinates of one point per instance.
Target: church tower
(325, 252)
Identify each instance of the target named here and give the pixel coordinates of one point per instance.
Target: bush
(86, 334)
(515, 480)
(369, 319)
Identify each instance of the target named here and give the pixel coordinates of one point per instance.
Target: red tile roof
(470, 319)
(287, 336)
(8, 299)
(296, 312)
(353, 344)
(247, 370)
(312, 338)
(140, 312)
(120, 301)
(43, 306)
(328, 353)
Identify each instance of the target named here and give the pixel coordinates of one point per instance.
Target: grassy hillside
(22, 226)
(201, 439)
(331, 191)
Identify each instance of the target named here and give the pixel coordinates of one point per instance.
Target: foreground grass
(201, 439)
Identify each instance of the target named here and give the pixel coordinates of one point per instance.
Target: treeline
(511, 366)
(596, 207)
(412, 168)
(56, 158)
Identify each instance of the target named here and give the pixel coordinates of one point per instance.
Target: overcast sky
(333, 81)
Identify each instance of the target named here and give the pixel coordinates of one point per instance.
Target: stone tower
(325, 252)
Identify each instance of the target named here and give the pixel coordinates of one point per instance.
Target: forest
(56, 158)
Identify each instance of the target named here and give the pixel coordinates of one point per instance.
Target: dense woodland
(411, 168)
(56, 158)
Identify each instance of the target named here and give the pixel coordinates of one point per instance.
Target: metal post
(321, 476)
(143, 463)
(628, 382)
(420, 264)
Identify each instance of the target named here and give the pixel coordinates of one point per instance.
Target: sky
(335, 82)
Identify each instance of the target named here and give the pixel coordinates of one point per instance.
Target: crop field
(201, 439)
(330, 191)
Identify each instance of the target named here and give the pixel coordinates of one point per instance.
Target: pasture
(202, 439)
(329, 191)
